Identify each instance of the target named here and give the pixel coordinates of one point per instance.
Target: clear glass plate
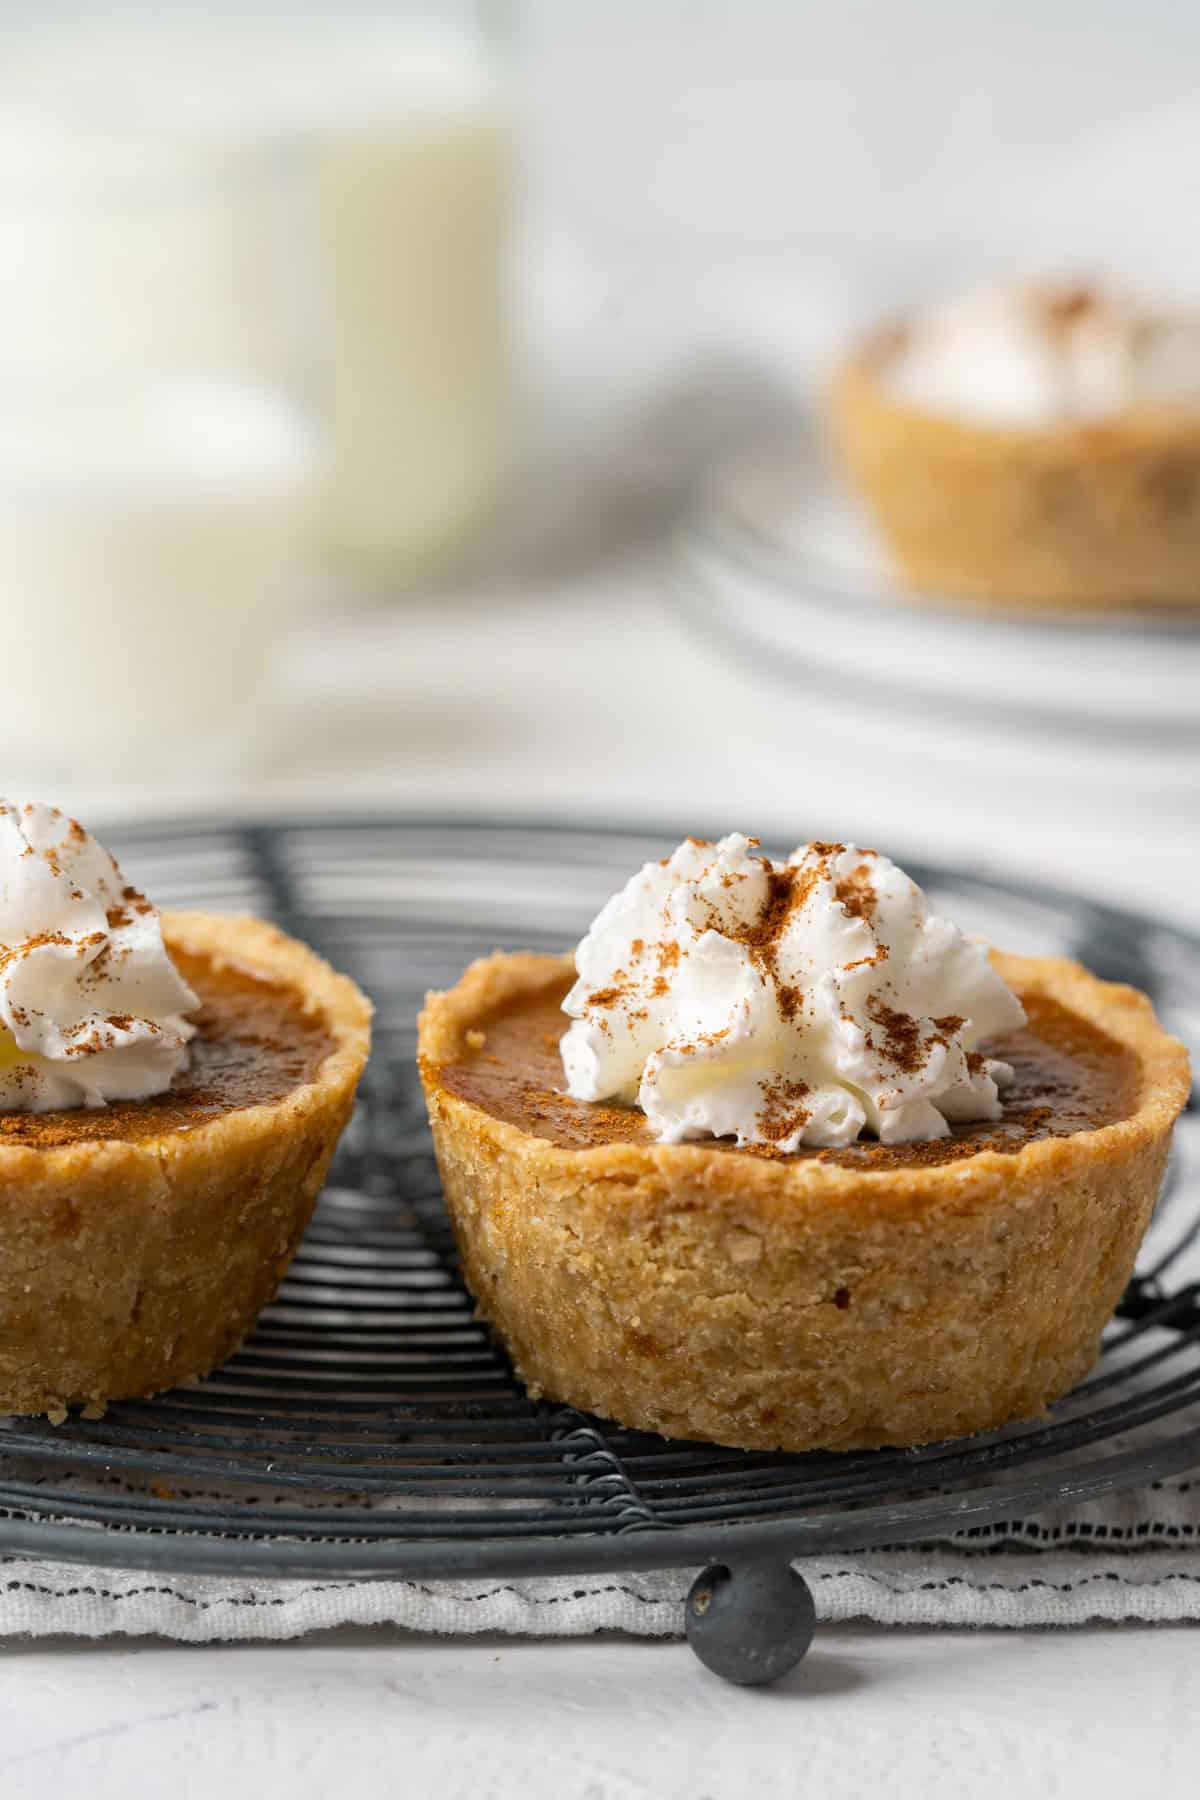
(778, 563)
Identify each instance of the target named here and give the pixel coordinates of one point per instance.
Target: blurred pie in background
(1037, 446)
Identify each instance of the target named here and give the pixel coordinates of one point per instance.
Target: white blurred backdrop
(531, 316)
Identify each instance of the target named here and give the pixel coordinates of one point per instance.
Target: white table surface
(581, 696)
(937, 1714)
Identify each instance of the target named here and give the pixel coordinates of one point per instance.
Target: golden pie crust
(801, 1303)
(131, 1263)
(1089, 516)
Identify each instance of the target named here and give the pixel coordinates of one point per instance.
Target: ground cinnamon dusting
(787, 890)
(856, 891)
(1066, 308)
(868, 962)
(609, 996)
(133, 905)
(790, 1000)
(902, 1043)
(40, 940)
(783, 1113)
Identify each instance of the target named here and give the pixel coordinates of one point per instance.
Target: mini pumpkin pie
(839, 1269)
(1036, 448)
(141, 1234)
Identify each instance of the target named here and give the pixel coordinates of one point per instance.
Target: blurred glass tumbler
(152, 541)
(320, 200)
(136, 243)
(413, 216)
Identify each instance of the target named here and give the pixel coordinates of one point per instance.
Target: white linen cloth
(1133, 1555)
(1152, 1575)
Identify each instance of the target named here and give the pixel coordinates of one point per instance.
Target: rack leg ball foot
(750, 1622)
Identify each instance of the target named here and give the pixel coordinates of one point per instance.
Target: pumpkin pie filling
(254, 1045)
(1068, 1076)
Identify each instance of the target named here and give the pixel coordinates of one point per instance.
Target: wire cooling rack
(371, 1428)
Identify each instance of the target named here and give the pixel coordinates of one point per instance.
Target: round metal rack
(371, 1428)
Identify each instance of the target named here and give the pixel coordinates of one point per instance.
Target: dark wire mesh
(371, 1426)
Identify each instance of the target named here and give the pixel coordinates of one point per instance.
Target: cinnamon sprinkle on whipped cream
(1044, 354)
(793, 1003)
(91, 1005)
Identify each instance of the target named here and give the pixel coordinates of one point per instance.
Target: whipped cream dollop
(801, 1002)
(91, 1006)
(1045, 355)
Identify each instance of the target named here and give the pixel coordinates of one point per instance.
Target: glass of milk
(143, 209)
(158, 471)
(218, 223)
(152, 536)
(414, 177)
